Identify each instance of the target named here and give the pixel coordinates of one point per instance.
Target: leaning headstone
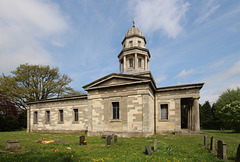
(82, 139)
(115, 138)
(12, 144)
(222, 150)
(238, 154)
(212, 145)
(108, 140)
(205, 140)
(155, 144)
(148, 150)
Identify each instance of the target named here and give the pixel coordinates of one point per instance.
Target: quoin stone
(12, 144)
(108, 140)
(155, 144)
(222, 150)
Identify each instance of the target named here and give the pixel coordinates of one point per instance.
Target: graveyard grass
(170, 147)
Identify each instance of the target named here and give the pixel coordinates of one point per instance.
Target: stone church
(127, 103)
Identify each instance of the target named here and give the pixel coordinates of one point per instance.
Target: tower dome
(134, 56)
(133, 31)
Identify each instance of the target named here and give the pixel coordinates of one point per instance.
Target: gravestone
(212, 145)
(205, 140)
(148, 150)
(82, 139)
(115, 138)
(12, 144)
(238, 154)
(222, 150)
(108, 140)
(155, 144)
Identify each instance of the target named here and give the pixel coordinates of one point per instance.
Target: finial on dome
(133, 24)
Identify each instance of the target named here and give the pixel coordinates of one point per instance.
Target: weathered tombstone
(238, 154)
(108, 140)
(212, 145)
(115, 138)
(222, 150)
(82, 139)
(12, 144)
(148, 150)
(155, 144)
(205, 140)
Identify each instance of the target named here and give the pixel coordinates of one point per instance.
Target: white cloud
(161, 78)
(160, 15)
(208, 10)
(217, 65)
(185, 73)
(24, 28)
(220, 82)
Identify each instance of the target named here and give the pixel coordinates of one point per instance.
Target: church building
(128, 103)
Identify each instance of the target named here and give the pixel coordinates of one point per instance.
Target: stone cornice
(181, 87)
(137, 78)
(58, 99)
(133, 48)
(134, 35)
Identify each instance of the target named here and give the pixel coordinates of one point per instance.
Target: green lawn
(170, 147)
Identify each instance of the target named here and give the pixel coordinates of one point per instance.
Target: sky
(190, 41)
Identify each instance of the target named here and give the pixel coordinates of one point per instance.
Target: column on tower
(124, 63)
(120, 68)
(135, 66)
(145, 64)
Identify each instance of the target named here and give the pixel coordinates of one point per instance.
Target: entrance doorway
(186, 105)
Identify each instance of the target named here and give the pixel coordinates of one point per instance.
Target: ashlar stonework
(127, 104)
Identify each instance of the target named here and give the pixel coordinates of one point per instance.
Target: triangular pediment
(116, 80)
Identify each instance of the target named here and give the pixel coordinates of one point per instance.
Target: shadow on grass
(221, 132)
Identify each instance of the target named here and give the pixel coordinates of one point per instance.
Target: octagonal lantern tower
(134, 56)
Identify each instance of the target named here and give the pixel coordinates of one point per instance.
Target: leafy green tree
(34, 82)
(224, 99)
(231, 115)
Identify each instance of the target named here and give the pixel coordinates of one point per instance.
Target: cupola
(134, 56)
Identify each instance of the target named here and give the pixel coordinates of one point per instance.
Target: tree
(9, 113)
(231, 115)
(34, 82)
(224, 99)
(206, 115)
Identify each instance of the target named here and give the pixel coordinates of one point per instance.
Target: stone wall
(136, 111)
(173, 99)
(68, 124)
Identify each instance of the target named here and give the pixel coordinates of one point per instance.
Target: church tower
(134, 56)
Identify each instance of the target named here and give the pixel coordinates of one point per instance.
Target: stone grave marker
(108, 140)
(155, 144)
(238, 154)
(222, 150)
(82, 139)
(212, 145)
(115, 138)
(205, 140)
(12, 144)
(148, 150)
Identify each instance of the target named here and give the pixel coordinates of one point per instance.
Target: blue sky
(190, 41)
